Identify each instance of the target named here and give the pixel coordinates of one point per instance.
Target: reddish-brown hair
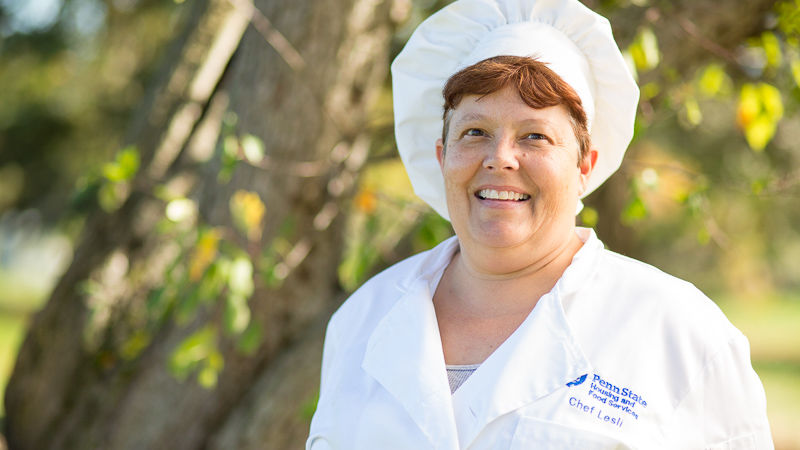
(538, 86)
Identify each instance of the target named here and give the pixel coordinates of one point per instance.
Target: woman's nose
(501, 155)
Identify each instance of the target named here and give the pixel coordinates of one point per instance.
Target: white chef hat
(575, 42)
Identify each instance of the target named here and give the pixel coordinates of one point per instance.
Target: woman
(522, 331)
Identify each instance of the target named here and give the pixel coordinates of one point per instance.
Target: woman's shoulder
(670, 305)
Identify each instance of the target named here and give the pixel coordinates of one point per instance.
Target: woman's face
(512, 173)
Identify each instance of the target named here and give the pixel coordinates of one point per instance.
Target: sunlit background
(709, 190)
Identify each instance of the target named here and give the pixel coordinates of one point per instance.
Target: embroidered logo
(605, 401)
(578, 380)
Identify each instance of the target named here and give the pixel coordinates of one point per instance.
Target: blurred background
(189, 188)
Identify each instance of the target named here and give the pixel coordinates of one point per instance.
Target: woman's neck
(507, 280)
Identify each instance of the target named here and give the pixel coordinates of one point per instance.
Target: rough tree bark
(72, 386)
(301, 79)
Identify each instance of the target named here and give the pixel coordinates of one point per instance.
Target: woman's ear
(586, 167)
(440, 152)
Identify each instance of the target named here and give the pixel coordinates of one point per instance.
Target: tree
(133, 350)
(192, 313)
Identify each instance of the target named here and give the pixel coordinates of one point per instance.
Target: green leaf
(432, 230)
(237, 314)
(194, 349)
(644, 50)
(650, 90)
(757, 186)
(795, 67)
(309, 407)
(703, 236)
(251, 338)
(635, 211)
(108, 197)
(134, 345)
(214, 279)
(188, 302)
(589, 217)
(124, 167)
(230, 147)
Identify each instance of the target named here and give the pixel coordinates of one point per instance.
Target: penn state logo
(578, 380)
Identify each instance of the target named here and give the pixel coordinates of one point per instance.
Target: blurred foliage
(708, 190)
(72, 71)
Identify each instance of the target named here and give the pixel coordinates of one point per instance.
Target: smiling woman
(498, 143)
(522, 331)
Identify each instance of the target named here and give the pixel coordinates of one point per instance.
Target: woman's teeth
(492, 194)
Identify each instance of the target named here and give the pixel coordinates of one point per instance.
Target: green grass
(782, 385)
(12, 327)
(771, 325)
(19, 298)
(773, 328)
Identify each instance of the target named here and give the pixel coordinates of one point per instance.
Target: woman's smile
(502, 194)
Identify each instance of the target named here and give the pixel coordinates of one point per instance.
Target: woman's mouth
(492, 194)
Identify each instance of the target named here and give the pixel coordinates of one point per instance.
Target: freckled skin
(498, 140)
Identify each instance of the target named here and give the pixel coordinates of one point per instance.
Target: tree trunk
(96, 368)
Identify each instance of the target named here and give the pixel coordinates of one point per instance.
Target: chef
(522, 331)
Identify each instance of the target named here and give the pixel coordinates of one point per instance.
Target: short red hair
(538, 86)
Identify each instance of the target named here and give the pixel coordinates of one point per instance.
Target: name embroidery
(609, 400)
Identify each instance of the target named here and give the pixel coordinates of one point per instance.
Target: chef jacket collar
(404, 353)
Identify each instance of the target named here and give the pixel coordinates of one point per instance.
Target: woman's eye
(536, 136)
(474, 132)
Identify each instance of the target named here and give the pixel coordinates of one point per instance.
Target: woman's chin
(502, 235)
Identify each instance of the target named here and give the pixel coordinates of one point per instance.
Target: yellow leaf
(759, 132)
(693, 113)
(795, 65)
(759, 111)
(772, 48)
(644, 50)
(627, 55)
(749, 105)
(650, 48)
(205, 251)
(207, 378)
(771, 101)
(248, 211)
(714, 80)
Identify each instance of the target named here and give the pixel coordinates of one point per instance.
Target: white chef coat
(617, 355)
